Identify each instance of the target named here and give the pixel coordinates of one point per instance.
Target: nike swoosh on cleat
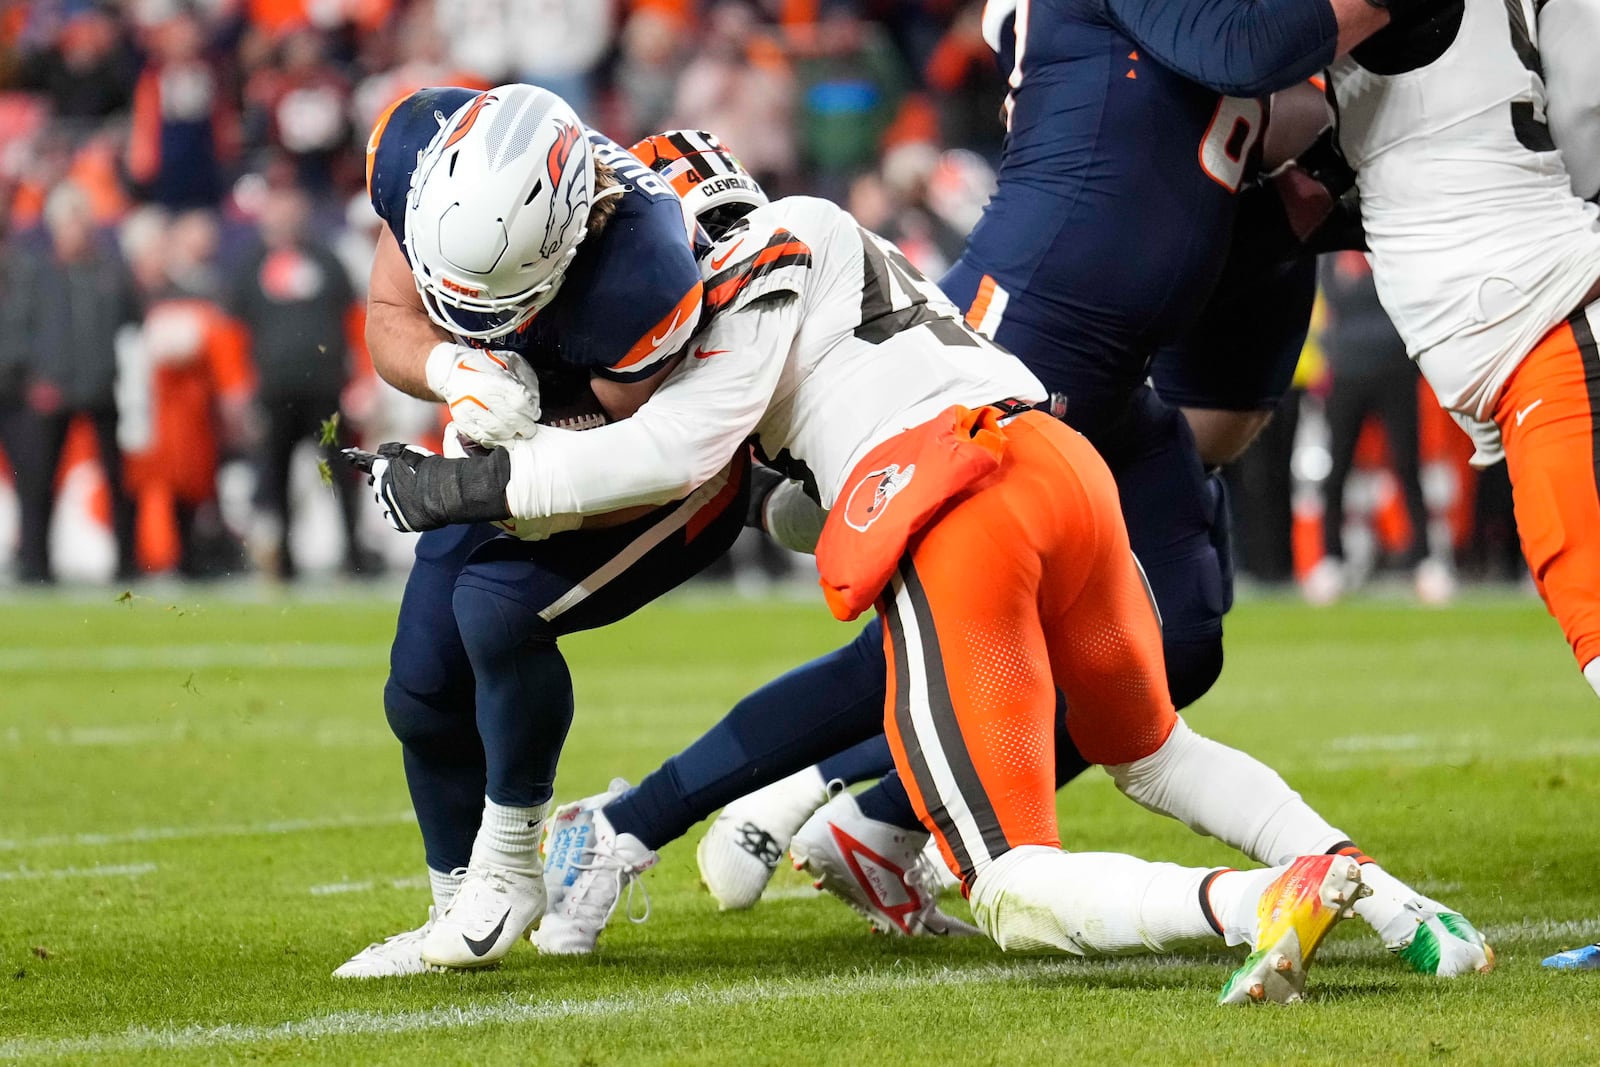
(480, 947)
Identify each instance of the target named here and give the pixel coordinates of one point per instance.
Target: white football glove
(493, 395)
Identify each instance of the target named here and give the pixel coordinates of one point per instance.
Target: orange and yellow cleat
(1294, 914)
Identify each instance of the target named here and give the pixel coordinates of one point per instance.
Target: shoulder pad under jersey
(760, 255)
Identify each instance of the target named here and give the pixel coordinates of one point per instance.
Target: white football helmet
(499, 202)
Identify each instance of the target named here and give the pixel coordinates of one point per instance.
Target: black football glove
(420, 491)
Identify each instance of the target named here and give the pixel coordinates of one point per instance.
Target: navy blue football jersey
(1116, 197)
(631, 297)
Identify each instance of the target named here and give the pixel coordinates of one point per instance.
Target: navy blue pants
(478, 692)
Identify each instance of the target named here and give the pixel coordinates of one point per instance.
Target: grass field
(202, 814)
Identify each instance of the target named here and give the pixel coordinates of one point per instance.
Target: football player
(529, 268)
(1495, 287)
(1098, 248)
(825, 344)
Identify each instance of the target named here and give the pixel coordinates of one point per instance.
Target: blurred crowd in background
(185, 241)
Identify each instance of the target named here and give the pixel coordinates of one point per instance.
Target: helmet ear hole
(537, 185)
(453, 157)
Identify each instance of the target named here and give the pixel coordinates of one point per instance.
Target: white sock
(1088, 903)
(1385, 910)
(444, 886)
(1592, 672)
(1234, 897)
(509, 837)
(1220, 791)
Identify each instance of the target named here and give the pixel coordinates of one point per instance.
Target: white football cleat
(491, 911)
(875, 868)
(741, 850)
(588, 864)
(393, 957)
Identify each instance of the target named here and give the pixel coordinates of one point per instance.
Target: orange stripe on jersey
(377, 135)
(650, 343)
(1318, 83)
(980, 303)
(781, 250)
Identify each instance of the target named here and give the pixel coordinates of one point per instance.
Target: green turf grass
(202, 814)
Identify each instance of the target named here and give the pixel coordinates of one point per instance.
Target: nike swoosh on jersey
(703, 353)
(1525, 412)
(480, 947)
(716, 264)
(675, 317)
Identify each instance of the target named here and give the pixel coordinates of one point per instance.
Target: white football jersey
(879, 348)
(1479, 246)
(821, 341)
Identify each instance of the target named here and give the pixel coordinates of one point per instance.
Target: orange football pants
(1024, 585)
(1549, 418)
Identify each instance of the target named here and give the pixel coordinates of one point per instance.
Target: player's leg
(1105, 650)
(969, 714)
(815, 708)
(428, 699)
(1235, 364)
(36, 492)
(1172, 515)
(513, 602)
(1549, 418)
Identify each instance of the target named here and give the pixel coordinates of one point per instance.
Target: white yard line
(122, 870)
(515, 1010)
(183, 833)
(37, 659)
(335, 888)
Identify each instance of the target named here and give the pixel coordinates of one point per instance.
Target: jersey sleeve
(637, 300)
(682, 436)
(758, 257)
(1235, 47)
(1567, 32)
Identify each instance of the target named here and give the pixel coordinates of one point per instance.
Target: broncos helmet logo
(468, 117)
(871, 495)
(566, 200)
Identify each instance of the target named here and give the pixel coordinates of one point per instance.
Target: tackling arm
(687, 431)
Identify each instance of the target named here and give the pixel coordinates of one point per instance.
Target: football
(580, 411)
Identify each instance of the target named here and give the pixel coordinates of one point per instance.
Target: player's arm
(1252, 47)
(1568, 30)
(688, 430)
(399, 333)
